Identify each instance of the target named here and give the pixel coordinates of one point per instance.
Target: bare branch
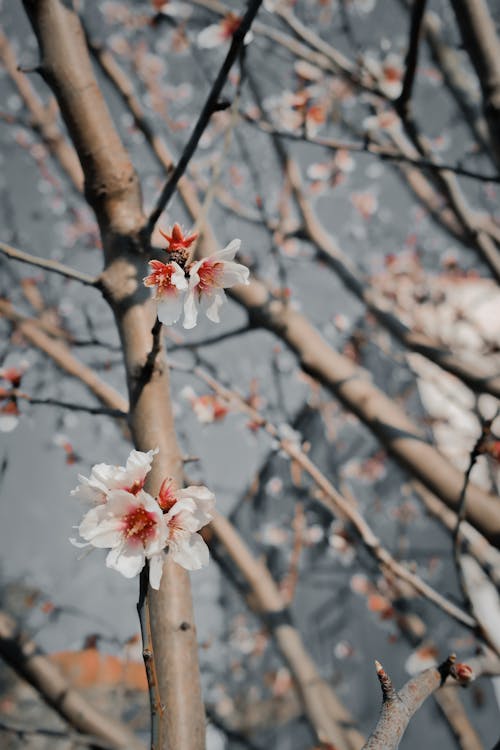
(48, 265)
(399, 707)
(205, 114)
(471, 541)
(332, 499)
(330, 719)
(481, 41)
(112, 189)
(28, 661)
(43, 118)
(70, 406)
(403, 103)
(385, 153)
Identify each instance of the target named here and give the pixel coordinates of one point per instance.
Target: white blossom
(207, 280)
(105, 477)
(135, 530)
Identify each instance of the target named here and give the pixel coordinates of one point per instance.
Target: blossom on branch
(207, 280)
(137, 527)
(105, 477)
(204, 280)
(133, 527)
(169, 282)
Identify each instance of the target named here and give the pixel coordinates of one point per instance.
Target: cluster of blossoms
(182, 287)
(135, 526)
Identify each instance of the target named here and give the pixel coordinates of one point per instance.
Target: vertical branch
(208, 109)
(112, 189)
(477, 28)
(403, 103)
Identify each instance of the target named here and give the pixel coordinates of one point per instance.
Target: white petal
(205, 502)
(179, 277)
(216, 300)
(100, 532)
(228, 252)
(8, 422)
(192, 553)
(129, 562)
(120, 502)
(156, 571)
(169, 308)
(234, 273)
(190, 310)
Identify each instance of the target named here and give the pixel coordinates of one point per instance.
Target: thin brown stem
(48, 265)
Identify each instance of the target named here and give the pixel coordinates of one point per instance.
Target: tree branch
(399, 707)
(112, 189)
(332, 499)
(205, 114)
(478, 32)
(403, 102)
(29, 662)
(48, 265)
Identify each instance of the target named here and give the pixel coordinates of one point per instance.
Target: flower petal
(156, 570)
(129, 562)
(191, 553)
(169, 308)
(190, 310)
(216, 301)
(228, 252)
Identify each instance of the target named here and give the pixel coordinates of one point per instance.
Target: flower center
(209, 274)
(139, 525)
(135, 487)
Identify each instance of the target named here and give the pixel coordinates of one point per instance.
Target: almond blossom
(187, 511)
(138, 528)
(169, 282)
(105, 477)
(207, 280)
(133, 527)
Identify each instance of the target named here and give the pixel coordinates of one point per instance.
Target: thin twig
(205, 114)
(22, 731)
(367, 146)
(48, 265)
(403, 103)
(70, 406)
(333, 500)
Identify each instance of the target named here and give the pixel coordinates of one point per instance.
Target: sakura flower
(207, 407)
(207, 280)
(169, 282)
(187, 511)
(104, 478)
(135, 530)
(218, 33)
